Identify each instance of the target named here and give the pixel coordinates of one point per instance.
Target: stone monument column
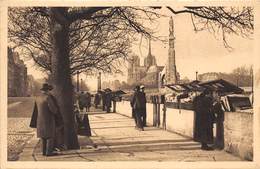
(99, 81)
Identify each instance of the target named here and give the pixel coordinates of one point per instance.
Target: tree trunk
(61, 77)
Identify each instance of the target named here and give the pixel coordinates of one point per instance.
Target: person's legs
(49, 146)
(139, 120)
(44, 142)
(108, 109)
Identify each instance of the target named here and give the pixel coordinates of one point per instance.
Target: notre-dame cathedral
(150, 74)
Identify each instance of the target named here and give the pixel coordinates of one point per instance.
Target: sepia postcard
(130, 84)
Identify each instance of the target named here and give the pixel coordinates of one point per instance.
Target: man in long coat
(82, 100)
(97, 100)
(204, 118)
(46, 109)
(108, 101)
(138, 102)
(88, 101)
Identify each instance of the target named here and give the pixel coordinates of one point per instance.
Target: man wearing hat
(137, 105)
(204, 119)
(144, 106)
(46, 109)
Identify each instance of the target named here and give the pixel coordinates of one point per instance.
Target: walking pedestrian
(88, 101)
(108, 100)
(97, 100)
(204, 119)
(138, 102)
(46, 109)
(143, 106)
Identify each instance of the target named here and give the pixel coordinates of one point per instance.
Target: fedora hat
(46, 86)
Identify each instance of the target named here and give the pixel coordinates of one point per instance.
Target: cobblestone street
(19, 132)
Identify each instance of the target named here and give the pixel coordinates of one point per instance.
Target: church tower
(171, 72)
(150, 59)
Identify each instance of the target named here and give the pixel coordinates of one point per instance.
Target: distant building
(17, 75)
(209, 76)
(148, 74)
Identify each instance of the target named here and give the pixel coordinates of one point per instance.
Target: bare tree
(64, 40)
(221, 20)
(100, 42)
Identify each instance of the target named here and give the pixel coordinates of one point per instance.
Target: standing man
(204, 119)
(138, 102)
(88, 101)
(143, 106)
(97, 100)
(108, 100)
(82, 100)
(46, 109)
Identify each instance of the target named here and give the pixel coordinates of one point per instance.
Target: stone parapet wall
(238, 126)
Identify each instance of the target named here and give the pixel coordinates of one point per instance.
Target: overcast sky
(199, 51)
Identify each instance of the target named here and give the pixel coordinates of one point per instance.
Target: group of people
(138, 104)
(106, 97)
(208, 110)
(48, 120)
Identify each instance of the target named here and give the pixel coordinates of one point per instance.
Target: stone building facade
(148, 74)
(17, 75)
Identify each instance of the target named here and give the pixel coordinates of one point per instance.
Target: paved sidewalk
(118, 140)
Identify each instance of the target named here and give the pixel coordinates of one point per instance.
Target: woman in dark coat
(204, 118)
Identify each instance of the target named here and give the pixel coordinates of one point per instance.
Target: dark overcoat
(46, 109)
(143, 100)
(83, 100)
(203, 119)
(97, 99)
(108, 99)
